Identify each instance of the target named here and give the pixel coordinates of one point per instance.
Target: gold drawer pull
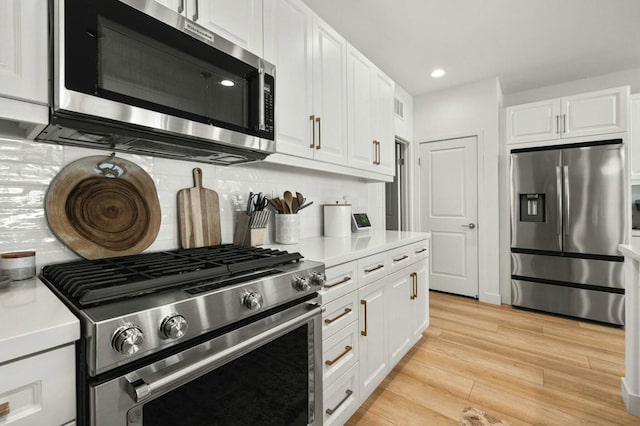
(401, 258)
(329, 321)
(4, 408)
(347, 349)
(375, 268)
(342, 281)
(330, 411)
(422, 250)
(364, 303)
(313, 131)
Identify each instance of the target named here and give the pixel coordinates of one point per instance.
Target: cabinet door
(383, 133)
(239, 21)
(537, 121)
(595, 113)
(399, 291)
(374, 359)
(360, 110)
(23, 55)
(288, 45)
(420, 305)
(178, 6)
(329, 94)
(635, 138)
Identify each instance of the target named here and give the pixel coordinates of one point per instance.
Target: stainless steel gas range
(213, 335)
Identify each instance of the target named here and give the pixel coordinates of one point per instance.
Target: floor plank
(522, 366)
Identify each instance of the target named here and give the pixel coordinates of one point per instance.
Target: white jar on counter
(19, 265)
(337, 220)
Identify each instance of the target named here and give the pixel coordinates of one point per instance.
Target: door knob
(470, 226)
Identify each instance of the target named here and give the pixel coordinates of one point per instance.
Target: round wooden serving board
(103, 206)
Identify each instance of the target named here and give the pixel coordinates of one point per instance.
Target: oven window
(268, 386)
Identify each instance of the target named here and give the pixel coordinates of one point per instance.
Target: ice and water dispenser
(532, 207)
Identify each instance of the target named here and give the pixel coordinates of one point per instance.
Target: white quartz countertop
(630, 251)
(33, 319)
(334, 251)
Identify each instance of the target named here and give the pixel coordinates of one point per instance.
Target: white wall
(622, 78)
(27, 168)
(464, 111)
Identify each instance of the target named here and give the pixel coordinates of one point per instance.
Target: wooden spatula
(198, 215)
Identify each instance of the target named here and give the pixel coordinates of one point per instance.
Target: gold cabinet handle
(564, 123)
(414, 285)
(5, 408)
(375, 268)
(401, 258)
(330, 411)
(378, 145)
(342, 281)
(313, 131)
(364, 332)
(319, 133)
(558, 124)
(196, 14)
(422, 250)
(347, 349)
(375, 152)
(181, 7)
(330, 320)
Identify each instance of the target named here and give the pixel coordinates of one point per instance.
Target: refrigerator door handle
(559, 209)
(565, 170)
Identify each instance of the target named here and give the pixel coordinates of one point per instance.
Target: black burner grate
(90, 282)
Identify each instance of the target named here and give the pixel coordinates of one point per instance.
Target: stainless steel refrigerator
(568, 215)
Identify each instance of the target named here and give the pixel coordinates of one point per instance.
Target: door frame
(487, 292)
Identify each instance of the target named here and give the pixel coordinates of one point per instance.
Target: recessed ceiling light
(227, 83)
(438, 72)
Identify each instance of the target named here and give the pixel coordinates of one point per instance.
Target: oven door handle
(143, 389)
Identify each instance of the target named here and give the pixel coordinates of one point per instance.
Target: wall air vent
(398, 107)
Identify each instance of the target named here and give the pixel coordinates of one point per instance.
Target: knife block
(247, 233)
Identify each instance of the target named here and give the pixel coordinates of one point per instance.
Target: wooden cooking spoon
(288, 198)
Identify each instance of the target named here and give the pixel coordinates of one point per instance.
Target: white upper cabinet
(587, 114)
(23, 50)
(239, 21)
(310, 82)
(370, 95)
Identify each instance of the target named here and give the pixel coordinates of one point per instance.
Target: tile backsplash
(27, 168)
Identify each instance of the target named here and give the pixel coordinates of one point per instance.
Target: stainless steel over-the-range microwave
(136, 76)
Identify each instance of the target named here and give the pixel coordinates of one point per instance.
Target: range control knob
(318, 278)
(127, 340)
(252, 300)
(300, 283)
(173, 326)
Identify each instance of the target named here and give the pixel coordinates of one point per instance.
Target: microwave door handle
(261, 109)
(163, 381)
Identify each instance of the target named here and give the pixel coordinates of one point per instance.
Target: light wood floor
(517, 365)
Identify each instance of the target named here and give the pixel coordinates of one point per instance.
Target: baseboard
(631, 401)
(493, 298)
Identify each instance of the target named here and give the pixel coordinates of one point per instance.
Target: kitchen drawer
(341, 279)
(341, 399)
(339, 353)
(371, 268)
(339, 313)
(419, 250)
(40, 389)
(399, 257)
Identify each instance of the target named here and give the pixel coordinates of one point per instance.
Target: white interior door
(449, 210)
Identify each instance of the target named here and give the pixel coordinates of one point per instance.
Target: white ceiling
(526, 43)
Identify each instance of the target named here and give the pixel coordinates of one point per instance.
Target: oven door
(266, 372)
(139, 63)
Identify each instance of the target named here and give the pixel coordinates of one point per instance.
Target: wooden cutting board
(198, 215)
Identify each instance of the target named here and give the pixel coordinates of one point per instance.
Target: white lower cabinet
(39, 389)
(374, 354)
(341, 399)
(375, 309)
